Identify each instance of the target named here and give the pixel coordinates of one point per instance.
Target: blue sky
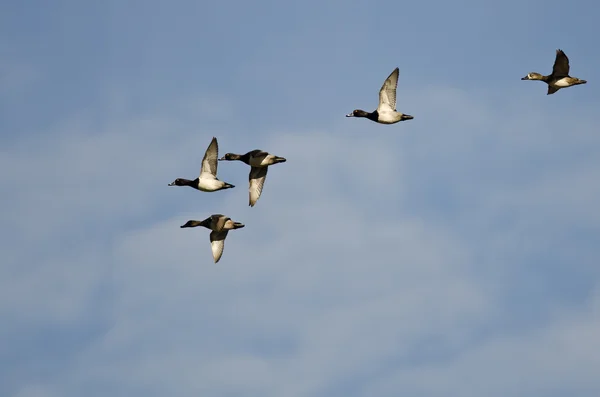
(455, 254)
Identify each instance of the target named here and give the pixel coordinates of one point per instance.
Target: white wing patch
(257, 180)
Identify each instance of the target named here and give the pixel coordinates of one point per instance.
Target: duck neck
(245, 158)
(374, 115)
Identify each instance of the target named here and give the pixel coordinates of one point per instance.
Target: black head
(229, 157)
(358, 113)
(185, 182)
(192, 223)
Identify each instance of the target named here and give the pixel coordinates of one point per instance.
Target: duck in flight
(560, 75)
(220, 226)
(386, 111)
(207, 181)
(259, 163)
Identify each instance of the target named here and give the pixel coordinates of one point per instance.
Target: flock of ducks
(260, 161)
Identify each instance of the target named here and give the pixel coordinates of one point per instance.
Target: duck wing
(552, 89)
(209, 162)
(561, 65)
(217, 243)
(257, 180)
(387, 93)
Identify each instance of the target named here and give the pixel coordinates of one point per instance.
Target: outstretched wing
(217, 244)
(561, 64)
(257, 180)
(387, 93)
(209, 162)
(256, 153)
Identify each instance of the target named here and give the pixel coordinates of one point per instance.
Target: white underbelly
(564, 82)
(388, 117)
(209, 185)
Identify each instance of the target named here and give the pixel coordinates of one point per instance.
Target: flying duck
(220, 225)
(560, 75)
(386, 111)
(207, 181)
(259, 163)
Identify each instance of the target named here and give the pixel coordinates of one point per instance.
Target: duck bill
(350, 115)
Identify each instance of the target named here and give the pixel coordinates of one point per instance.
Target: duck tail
(228, 186)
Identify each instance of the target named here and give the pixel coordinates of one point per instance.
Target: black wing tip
(395, 71)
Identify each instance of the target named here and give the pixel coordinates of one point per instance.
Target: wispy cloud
(322, 290)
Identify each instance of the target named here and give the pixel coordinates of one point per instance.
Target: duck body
(212, 184)
(255, 158)
(386, 112)
(203, 184)
(385, 117)
(219, 225)
(559, 78)
(259, 161)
